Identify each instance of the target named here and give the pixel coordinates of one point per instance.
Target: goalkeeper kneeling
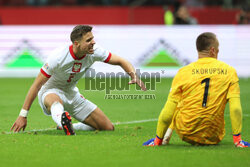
(196, 103)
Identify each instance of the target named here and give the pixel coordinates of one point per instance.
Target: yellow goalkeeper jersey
(202, 90)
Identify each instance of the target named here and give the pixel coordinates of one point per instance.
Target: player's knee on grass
(110, 127)
(107, 126)
(99, 120)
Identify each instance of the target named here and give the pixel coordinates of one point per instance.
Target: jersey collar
(73, 55)
(206, 59)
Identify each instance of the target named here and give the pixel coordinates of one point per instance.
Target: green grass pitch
(123, 147)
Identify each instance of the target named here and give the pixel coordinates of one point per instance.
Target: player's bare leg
(98, 120)
(50, 99)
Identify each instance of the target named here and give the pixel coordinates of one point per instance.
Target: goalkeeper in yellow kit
(197, 100)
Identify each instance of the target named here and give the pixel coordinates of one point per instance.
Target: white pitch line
(134, 122)
(116, 123)
(29, 131)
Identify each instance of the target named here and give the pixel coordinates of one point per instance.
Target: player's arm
(233, 97)
(236, 121)
(128, 67)
(21, 121)
(167, 112)
(164, 122)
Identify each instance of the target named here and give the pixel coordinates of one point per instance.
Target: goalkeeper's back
(202, 89)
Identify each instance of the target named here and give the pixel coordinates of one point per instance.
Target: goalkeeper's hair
(78, 31)
(205, 40)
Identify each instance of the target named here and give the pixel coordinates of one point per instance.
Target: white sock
(167, 136)
(82, 126)
(56, 112)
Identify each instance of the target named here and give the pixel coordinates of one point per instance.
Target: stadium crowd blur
(178, 9)
(226, 3)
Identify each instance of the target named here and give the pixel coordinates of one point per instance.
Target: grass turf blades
(123, 147)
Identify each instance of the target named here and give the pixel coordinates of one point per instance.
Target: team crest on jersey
(77, 67)
(46, 66)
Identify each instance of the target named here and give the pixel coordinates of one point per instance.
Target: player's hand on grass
(242, 144)
(139, 83)
(238, 142)
(153, 142)
(20, 124)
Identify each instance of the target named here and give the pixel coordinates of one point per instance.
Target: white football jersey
(64, 69)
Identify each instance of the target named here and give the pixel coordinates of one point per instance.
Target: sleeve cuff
(109, 56)
(45, 74)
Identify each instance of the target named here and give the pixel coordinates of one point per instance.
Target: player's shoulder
(222, 64)
(98, 49)
(182, 72)
(186, 68)
(100, 53)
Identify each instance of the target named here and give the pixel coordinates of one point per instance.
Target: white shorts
(77, 106)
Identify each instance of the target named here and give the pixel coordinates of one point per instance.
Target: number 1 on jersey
(204, 102)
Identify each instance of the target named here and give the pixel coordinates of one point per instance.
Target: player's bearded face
(86, 45)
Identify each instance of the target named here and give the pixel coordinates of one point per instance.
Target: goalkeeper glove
(238, 142)
(153, 142)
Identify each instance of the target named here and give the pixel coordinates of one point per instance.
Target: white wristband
(24, 113)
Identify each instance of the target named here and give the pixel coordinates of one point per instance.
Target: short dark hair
(205, 40)
(78, 31)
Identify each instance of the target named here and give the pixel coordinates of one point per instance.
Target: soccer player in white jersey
(56, 88)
